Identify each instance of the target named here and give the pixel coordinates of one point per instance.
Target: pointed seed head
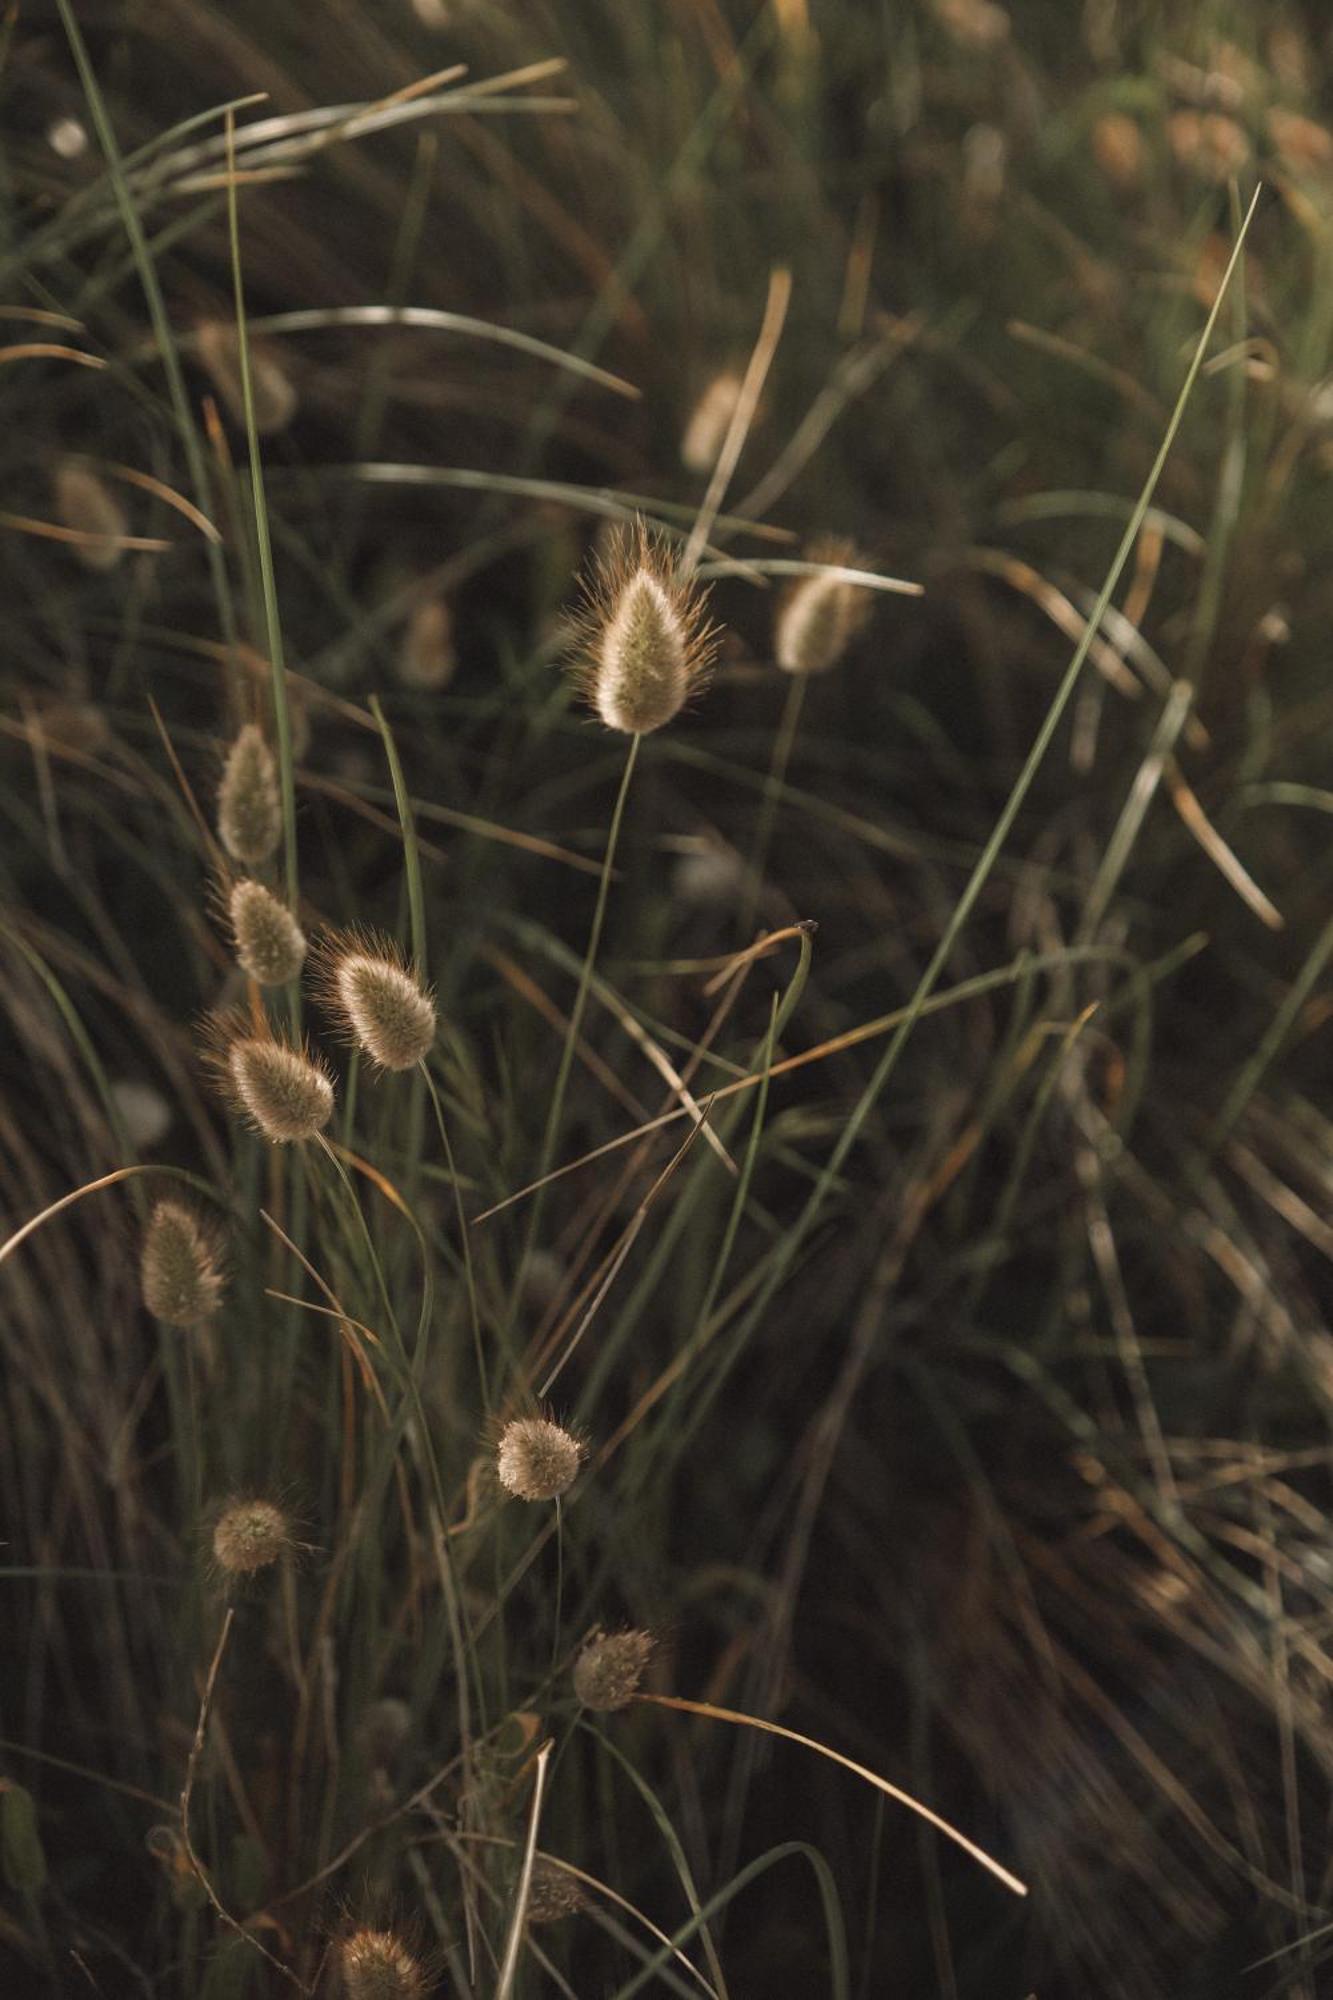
(644, 637)
(84, 502)
(375, 1965)
(250, 1534)
(819, 617)
(249, 808)
(537, 1460)
(286, 1094)
(179, 1269)
(218, 346)
(608, 1670)
(270, 944)
(384, 1009)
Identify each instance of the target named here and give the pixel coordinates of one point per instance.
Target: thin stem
(465, 1240)
(768, 808)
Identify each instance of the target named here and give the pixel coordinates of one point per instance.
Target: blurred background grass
(1017, 1488)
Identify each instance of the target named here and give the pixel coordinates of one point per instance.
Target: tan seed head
(608, 1670)
(537, 1460)
(179, 1269)
(286, 1094)
(427, 659)
(270, 944)
(250, 1534)
(644, 641)
(820, 616)
(218, 346)
(249, 807)
(709, 421)
(384, 1009)
(553, 1893)
(376, 1965)
(86, 504)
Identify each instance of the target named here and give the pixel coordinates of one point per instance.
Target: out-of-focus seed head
(377, 1965)
(709, 420)
(145, 1112)
(249, 1536)
(249, 805)
(608, 1670)
(553, 1893)
(86, 504)
(427, 659)
(179, 1267)
(644, 642)
(537, 1459)
(270, 944)
(819, 616)
(382, 1007)
(285, 1093)
(273, 392)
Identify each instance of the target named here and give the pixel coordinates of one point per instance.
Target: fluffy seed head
(274, 396)
(250, 1534)
(85, 503)
(608, 1670)
(270, 944)
(375, 1965)
(284, 1092)
(144, 1112)
(706, 431)
(819, 617)
(427, 659)
(553, 1893)
(537, 1460)
(249, 808)
(383, 1008)
(644, 640)
(179, 1269)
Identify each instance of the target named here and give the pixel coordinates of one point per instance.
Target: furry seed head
(284, 1092)
(537, 1460)
(375, 1965)
(249, 807)
(608, 1670)
(84, 502)
(273, 394)
(553, 1893)
(644, 641)
(382, 1006)
(427, 659)
(250, 1534)
(270, 944)
(179, 1268)
(819, 617)
(706, 431)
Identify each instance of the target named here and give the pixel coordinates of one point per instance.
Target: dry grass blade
(891, 1791)
(1213, 845)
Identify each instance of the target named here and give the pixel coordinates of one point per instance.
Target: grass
(890, 1133)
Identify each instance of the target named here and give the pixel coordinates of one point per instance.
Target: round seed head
(644, 641)
(249, 808)
(384, 1009)
(375, 1965)
(272, 391)
(84, 503)
(285, 1093)
(553, 1893)
(179, 1270)
(270, 944)
(427, 659)
(144, 1112)
(608, 1670)
(537, 1460)
(250, 1534)
(819, 618)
